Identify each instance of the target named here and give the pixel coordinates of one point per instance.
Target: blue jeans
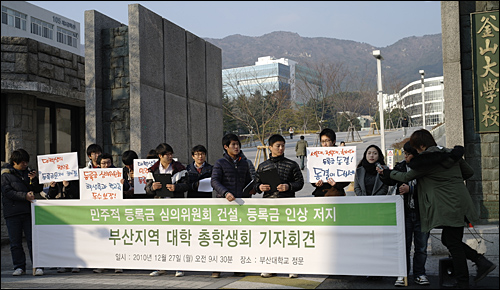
(16, 225)
(413, 233)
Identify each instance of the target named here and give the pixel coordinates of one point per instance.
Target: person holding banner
(64, 190)
(19, 185)
(413, 231)
(328, 138)
(444, 200)
(93, 152)
(197, 170)
(105, 160)
(290, 177)
(366, 180)
(176, 189)
(128, 173)
(230, 175)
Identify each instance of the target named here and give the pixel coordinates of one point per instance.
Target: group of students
(419, 179)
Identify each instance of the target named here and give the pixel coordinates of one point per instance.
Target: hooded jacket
(444, 200)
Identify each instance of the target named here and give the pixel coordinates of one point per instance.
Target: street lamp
(422, 73)
(378, 56)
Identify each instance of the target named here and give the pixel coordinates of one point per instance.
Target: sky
(378, 23)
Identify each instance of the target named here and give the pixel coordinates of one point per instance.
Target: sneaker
(179, 274)
(157, 273)
(267, 275)
(75, 270)
(99, 270)
(18, 272)
(400, 282)
(215, 274)
(39, 272)
(422, 280)
(293, 276)
(239, 274)
(118, 270)
(62, 270)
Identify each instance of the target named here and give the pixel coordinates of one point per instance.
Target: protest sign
(101, 184)
(57, 167)
(338, 163)
(140, 173)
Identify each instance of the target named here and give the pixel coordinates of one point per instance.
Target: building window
(42, 28)
(67, 37)
(13, 18)
(58, 128)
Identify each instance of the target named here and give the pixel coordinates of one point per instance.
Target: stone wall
(482, 151)
(173, 85)
(116, 92)
(33, 70)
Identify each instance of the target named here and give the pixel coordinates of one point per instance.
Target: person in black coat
(197, 170)
(19, 186)
(413, 230)
(291, 179)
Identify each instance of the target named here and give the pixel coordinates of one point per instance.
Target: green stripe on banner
(356, 214)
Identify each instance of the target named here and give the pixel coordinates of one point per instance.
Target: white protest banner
(57, 167)
(101, 184)
(348, 235)
(338, 163)
(140, 172)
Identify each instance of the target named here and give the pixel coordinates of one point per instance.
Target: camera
(379, 166)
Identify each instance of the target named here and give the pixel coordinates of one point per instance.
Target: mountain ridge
(402, 59)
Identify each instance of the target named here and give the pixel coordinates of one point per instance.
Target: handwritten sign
(101, 184)
(57, 167)
(140, 172)
(338, 163)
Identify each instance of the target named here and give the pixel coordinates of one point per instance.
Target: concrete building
(23, 19)
(269, 74)
(43, 82)
(138, 86)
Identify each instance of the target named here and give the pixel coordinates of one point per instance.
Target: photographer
(444, 200)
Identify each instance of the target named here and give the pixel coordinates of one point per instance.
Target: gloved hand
(457, 152)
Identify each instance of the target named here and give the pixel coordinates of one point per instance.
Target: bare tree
(254, 100)
(318, 82)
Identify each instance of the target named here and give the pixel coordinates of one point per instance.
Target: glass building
(410, 99)
(267, 75)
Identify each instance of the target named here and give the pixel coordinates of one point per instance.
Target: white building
(268, 74)
(410, 100)
(22, 19)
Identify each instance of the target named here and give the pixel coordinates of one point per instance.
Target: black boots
(484, 266)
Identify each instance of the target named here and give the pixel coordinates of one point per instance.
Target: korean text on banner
(101, 184)
(338, 163)
(362, 235)
(57, 167)
(140, 173)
